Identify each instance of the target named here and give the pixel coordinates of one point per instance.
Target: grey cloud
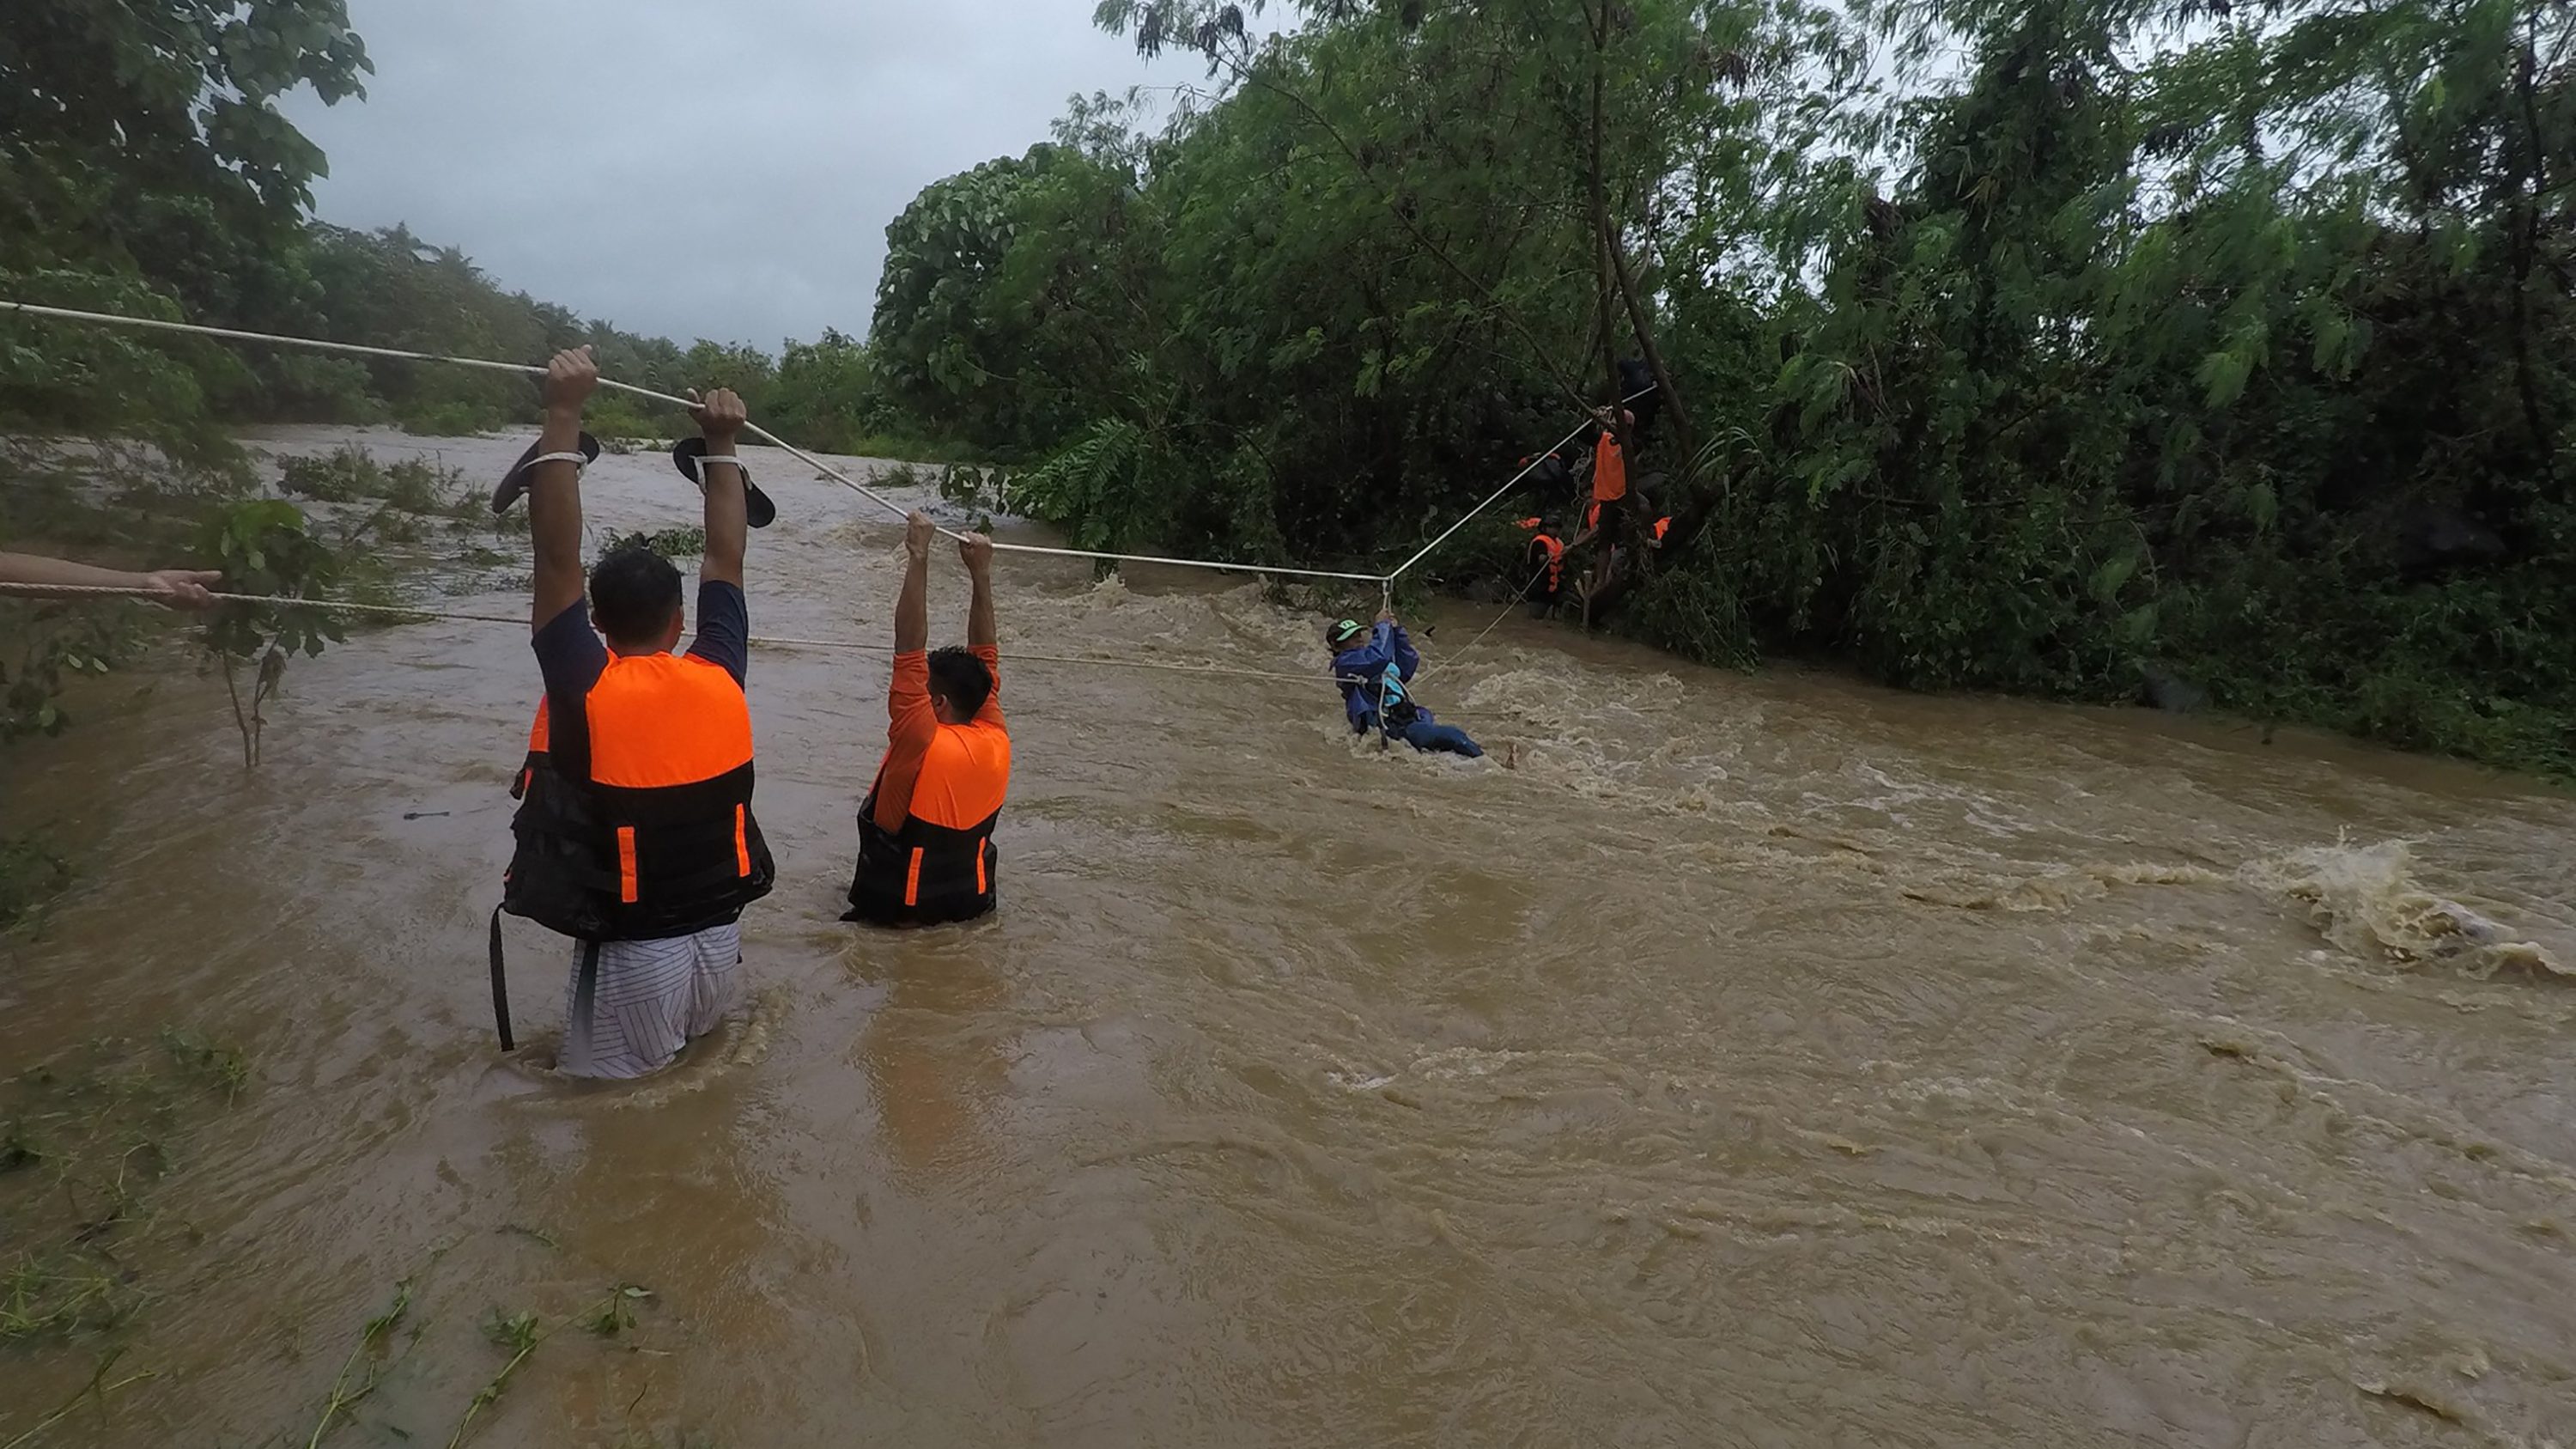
(695, 170)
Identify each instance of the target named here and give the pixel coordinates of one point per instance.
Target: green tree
(144, 166)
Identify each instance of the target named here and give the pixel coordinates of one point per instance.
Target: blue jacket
(1361, 672)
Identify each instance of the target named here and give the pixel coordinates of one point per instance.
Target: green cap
(1343, 632)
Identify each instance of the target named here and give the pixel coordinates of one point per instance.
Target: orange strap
(742, 839)
(912, 880)
(626, 864)
(983, 881)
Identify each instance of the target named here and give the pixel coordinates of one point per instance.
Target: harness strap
(585, 998)
(723, 873)
(500, 987)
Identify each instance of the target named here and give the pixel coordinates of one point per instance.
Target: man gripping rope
(636, 837)
(1375, 668)
(926, 854)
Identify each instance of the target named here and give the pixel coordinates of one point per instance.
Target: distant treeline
(2193, 348)
(145, 169)
(390, 289)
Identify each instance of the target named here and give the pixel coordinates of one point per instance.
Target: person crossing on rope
(635, 836)
(170, 588)
(926, 854)
(1375, 668)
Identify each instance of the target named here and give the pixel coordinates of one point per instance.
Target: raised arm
(1399, 647)
(173, 588)
(912, 606)
(554, 489)
(977, 552)
(720, 419)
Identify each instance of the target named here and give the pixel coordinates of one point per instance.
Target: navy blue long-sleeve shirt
(1360, 671)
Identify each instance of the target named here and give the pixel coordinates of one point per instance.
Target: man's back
(637, 840)
(926, 853)
(935, 771)
(965, 774)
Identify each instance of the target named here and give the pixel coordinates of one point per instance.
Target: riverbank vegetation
(2063, 347)
(2192, 350)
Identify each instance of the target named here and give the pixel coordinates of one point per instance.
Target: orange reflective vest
(1546, 546)
(1609, 469)
(1554, 550)
(941, 866)
(657, 838)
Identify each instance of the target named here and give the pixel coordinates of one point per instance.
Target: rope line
(1509, 609)
(355, 349)
(406, 613)
(485, 364)
(1500, 493)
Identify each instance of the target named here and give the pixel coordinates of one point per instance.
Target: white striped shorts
(647, 1000)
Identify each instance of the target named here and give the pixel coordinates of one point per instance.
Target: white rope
(898, 510)
(406, 613)
(1508, 610)
(1387, 580)
(1187, 563)
(1498, 494)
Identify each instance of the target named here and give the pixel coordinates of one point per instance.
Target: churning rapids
(1765, 1061)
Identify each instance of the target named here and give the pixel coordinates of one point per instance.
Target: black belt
(500, 987)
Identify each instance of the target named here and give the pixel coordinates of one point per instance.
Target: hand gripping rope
(1385, 582)
(845, 480)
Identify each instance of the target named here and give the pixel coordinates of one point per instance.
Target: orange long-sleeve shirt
(974, 759)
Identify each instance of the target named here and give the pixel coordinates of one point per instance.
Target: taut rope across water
(1385, 581)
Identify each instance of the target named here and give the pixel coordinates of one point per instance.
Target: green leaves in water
(84, 1143)
(518, 1334)
(615, 1313)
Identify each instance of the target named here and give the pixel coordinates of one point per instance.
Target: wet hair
(960, 678)
(634, 594)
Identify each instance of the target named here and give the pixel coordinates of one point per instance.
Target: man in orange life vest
(636, 836)
(926, 851)
(1545, 559)
(1609, 471)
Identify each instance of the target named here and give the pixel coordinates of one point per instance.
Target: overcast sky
(723, 169)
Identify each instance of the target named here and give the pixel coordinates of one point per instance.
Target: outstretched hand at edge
(183, 588)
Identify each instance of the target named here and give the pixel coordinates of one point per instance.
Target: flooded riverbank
(1766, 1060)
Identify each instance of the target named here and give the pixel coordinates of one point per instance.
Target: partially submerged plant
(345, 1395)
(615, 1314)
(267, 548)
(219, 1066)
(81, 1144)
(98, 1387)
(673, 543)
(517, 1334)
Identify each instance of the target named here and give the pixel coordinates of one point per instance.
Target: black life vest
(657, 839)
(923, 874)
(936, 869)
(1550, 551)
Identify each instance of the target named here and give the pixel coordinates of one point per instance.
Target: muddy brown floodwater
(1767, 1061)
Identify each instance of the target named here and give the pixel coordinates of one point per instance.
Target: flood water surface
(1763, 1061)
